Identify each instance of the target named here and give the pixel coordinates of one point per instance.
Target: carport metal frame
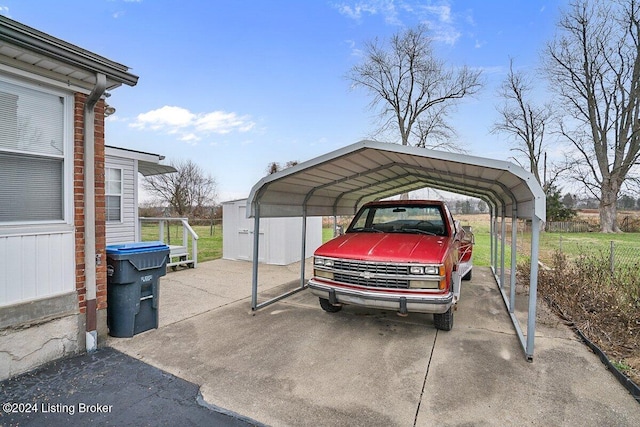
(340, 182)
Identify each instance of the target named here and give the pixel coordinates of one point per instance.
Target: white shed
(279, 237)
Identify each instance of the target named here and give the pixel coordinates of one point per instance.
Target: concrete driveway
(293, 364)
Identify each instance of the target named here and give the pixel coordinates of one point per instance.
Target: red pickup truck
(408, 256)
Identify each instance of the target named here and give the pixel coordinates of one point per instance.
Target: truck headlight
(416, 270)
(427, 269)
(323, 262)
(432, 269)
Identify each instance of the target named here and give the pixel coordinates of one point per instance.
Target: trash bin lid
(135, 247)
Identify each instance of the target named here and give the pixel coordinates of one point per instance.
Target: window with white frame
(33, 153)
(113, 194)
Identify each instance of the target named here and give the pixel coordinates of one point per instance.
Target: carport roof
(339, 182)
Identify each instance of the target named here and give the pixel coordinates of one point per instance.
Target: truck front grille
(371, 274)
(375, 282)
(359, 266)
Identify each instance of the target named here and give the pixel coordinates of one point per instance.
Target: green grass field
(209, 239)
(627, 245)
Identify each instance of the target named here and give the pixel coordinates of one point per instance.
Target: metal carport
(339, 182)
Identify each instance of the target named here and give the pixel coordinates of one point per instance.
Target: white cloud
(222, 122)
(356, 11)
(115, 118)
(190, 137)
(436, 14)
(469, 18)
(4, 10)
(166, 117)
(447, 35)
(354, 50)
(191, 127)
(443, 12)
(441, 21)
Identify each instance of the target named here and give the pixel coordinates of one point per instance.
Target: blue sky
(236, 84)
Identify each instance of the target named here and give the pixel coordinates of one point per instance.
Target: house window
(113, 194)
(33, 135)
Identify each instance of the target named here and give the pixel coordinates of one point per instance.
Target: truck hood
(388, 247)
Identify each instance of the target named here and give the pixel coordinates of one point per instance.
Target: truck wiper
(367, 229)
(417, 230)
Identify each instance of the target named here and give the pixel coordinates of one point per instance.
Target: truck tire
(444, 321)
(328, 307)
(468, 275)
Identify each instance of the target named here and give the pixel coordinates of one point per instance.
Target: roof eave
(37, 41)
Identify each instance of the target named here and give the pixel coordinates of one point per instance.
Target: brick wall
(78, 200)
(101, 212)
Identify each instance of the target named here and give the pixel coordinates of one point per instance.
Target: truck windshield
(400, 219)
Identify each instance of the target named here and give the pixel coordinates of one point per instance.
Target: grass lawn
(209, 239)
(627, 245)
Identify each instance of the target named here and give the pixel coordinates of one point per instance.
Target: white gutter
(36, 41)
(90, 259)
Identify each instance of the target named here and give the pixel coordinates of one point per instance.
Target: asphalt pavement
(107, 388)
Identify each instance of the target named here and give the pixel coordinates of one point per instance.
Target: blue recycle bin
(133, 292)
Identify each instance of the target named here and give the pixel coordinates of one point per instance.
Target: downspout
(90, 259)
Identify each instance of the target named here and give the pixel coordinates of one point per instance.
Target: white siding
(124, 231)
(37, 258)
(36, 265)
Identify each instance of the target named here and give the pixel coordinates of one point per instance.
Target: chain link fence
(618, 255)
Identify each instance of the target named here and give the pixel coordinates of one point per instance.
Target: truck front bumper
(402, 302)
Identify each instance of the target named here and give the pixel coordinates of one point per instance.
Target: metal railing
(179, 252)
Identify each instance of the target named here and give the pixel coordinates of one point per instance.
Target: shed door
(245, 237)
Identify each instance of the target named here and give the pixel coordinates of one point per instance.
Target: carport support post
(503, 241)
(533, 286)
(256, 243)
(514, 246)
(303, 251)
(494, 242)
(494, 239)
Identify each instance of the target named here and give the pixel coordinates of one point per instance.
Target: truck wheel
(467, 276)
(328, 307)
(444, 321)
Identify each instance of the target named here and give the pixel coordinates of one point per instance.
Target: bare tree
(188, 191)
(524, 121)
(594, 67)
(412, 89)
(274, 167)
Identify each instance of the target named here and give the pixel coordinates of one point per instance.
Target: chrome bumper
(383, 300)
